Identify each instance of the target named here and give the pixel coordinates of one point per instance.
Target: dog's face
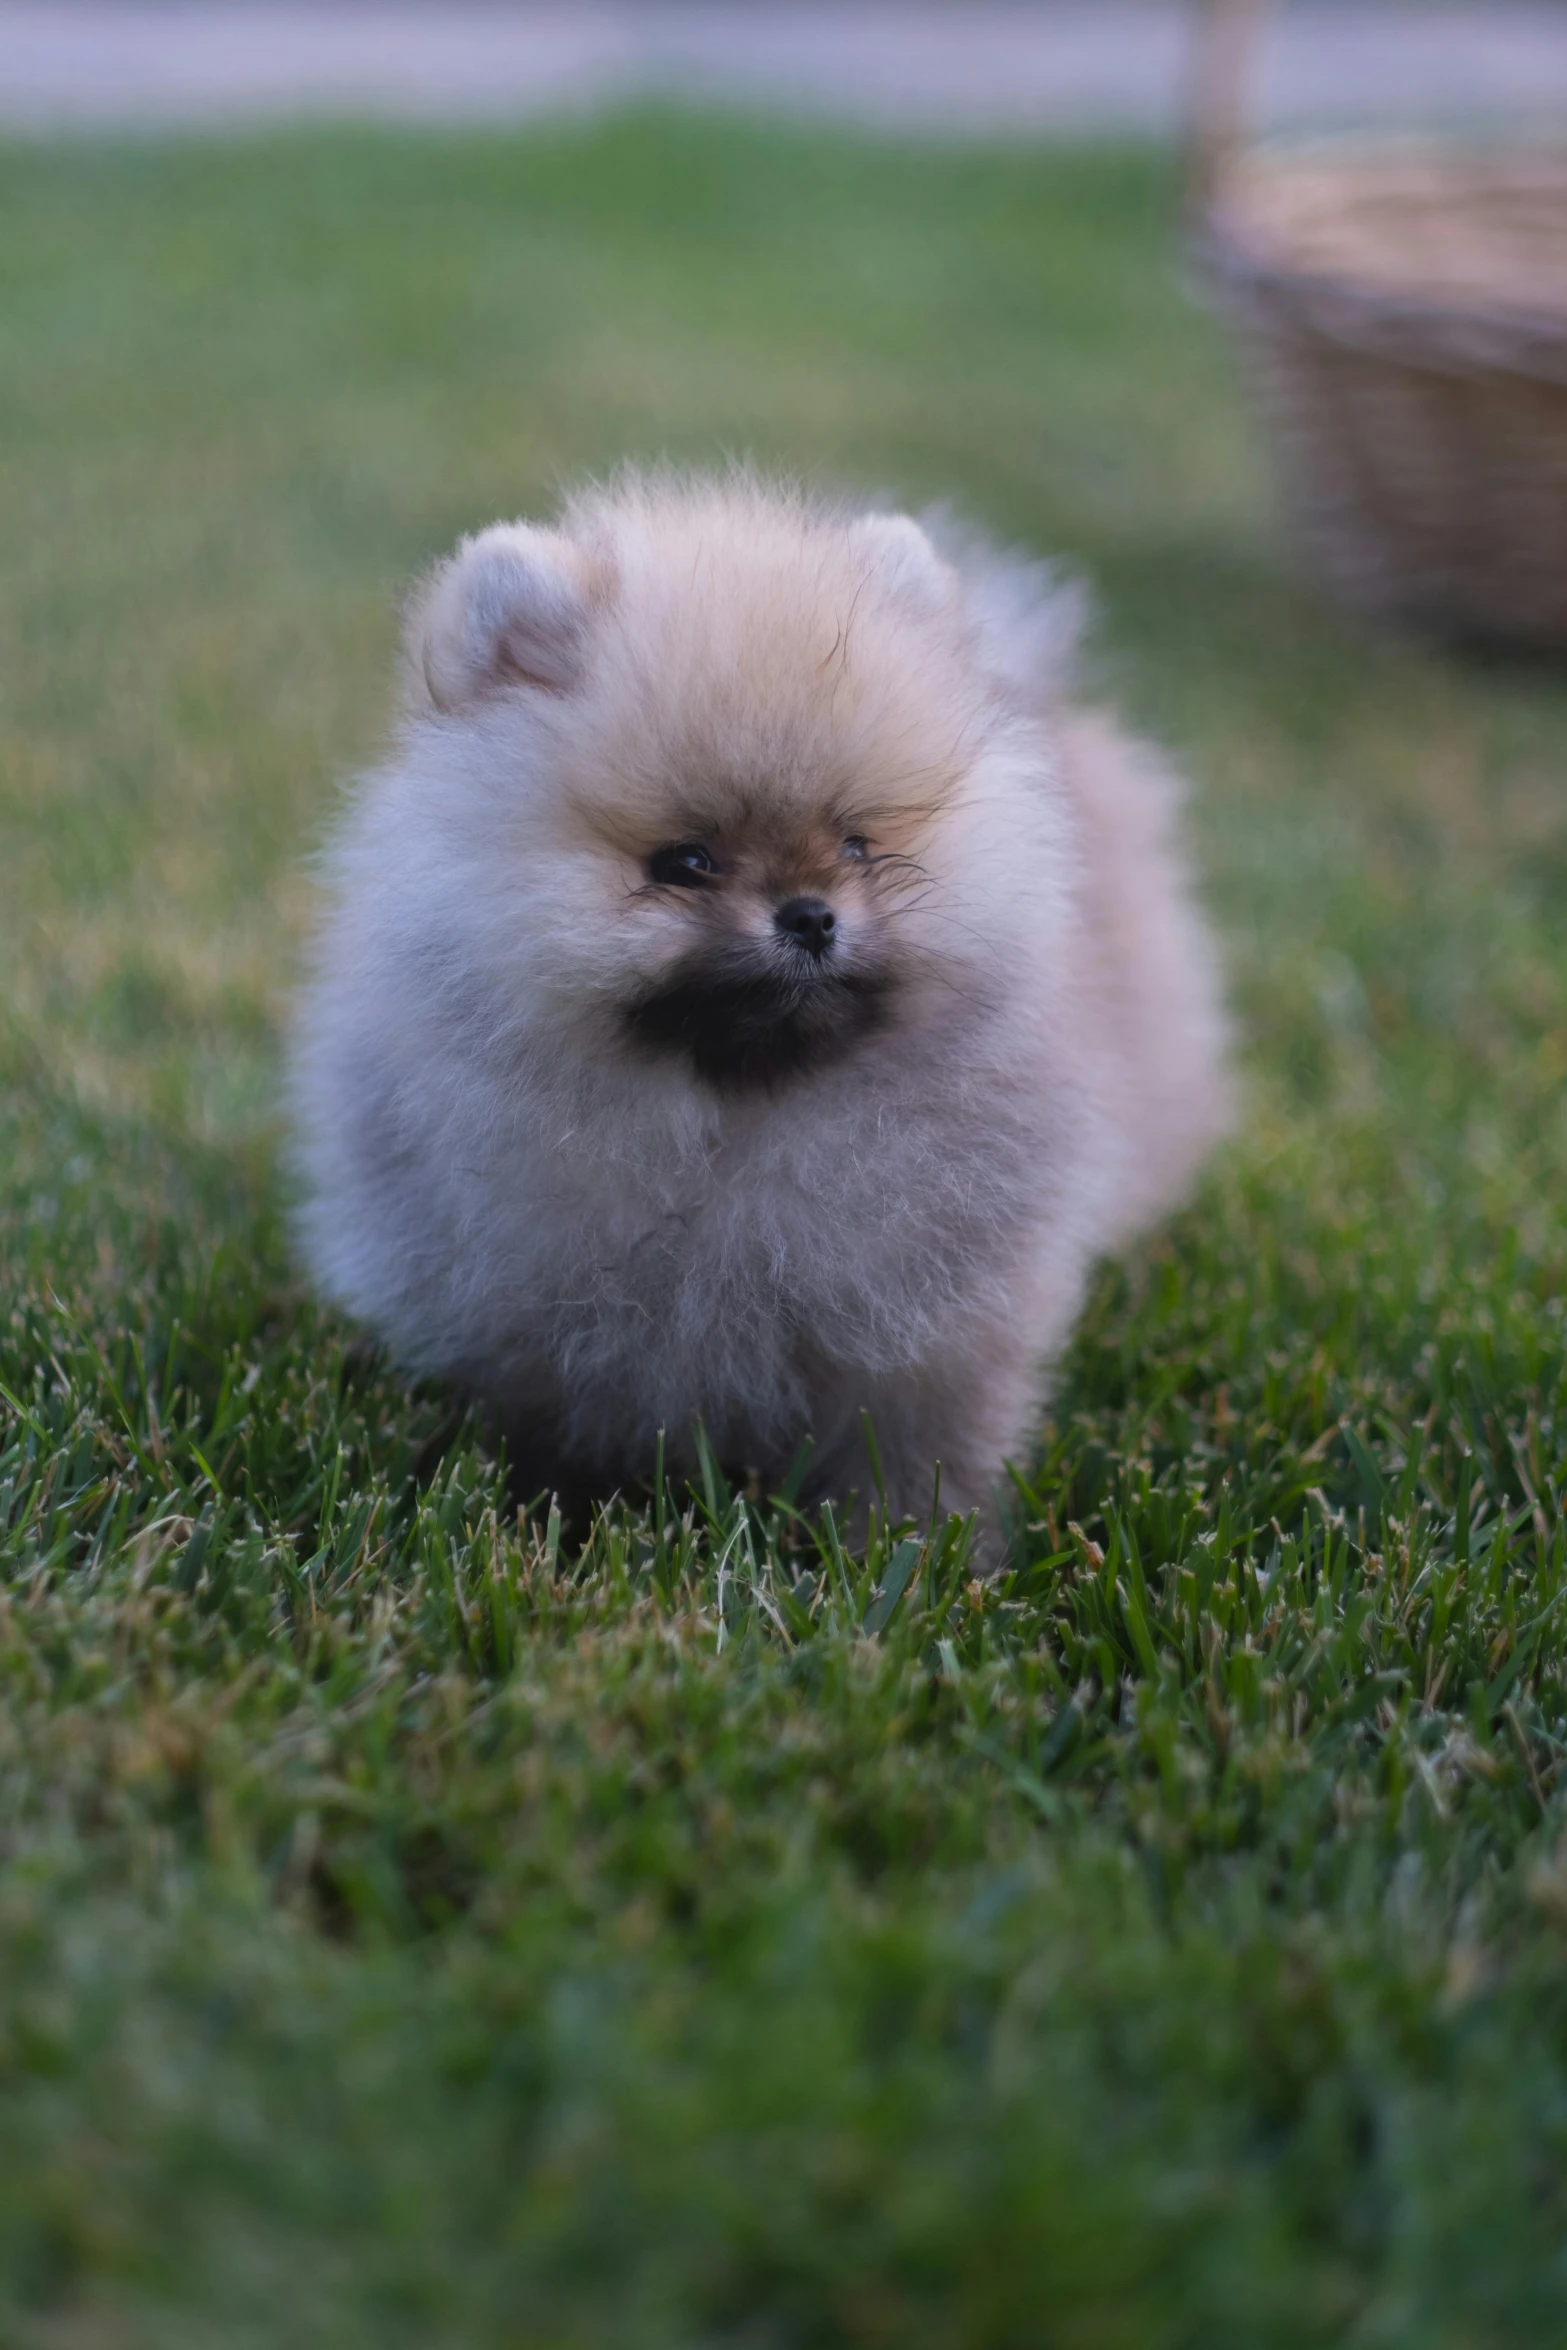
(772, 953)
(730, 771)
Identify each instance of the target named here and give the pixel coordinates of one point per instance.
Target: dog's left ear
(513, 607)
(905, 562)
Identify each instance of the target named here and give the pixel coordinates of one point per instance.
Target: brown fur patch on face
(773, 858)
(748, 1003)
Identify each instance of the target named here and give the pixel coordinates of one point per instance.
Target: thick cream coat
(599, 1242)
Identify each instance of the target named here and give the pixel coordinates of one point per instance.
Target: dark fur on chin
(755, 1029)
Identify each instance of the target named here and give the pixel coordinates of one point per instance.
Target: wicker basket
(1405, 309)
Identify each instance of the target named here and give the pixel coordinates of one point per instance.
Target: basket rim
(1460, 335)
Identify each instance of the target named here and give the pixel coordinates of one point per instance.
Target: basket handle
(1224, 44)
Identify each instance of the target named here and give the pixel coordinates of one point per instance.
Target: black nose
(810, 922)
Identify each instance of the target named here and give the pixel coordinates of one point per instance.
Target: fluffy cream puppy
(750, 996)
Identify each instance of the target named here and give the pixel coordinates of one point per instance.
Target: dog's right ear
(513, 607)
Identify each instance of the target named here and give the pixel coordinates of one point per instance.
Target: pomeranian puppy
(750, 998)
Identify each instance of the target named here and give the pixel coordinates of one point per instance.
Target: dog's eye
(856, 848)
(685, 864)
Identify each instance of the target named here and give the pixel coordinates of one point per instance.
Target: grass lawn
(413, 1931)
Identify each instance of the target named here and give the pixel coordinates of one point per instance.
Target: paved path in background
(1064, 65)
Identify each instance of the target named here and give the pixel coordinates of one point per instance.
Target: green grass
(412, 1931)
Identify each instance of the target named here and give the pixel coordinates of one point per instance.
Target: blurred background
(1061, 65)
